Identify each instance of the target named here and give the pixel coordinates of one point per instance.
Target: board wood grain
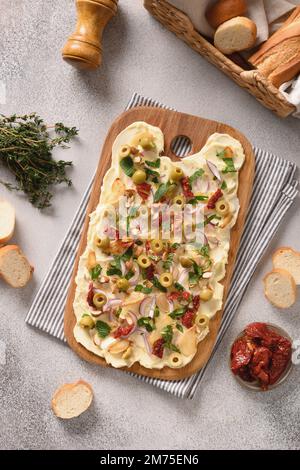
(172, 124)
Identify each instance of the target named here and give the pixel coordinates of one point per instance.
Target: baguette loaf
(224, 10)
(279, 57)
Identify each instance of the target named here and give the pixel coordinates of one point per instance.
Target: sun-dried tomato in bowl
(261, 355)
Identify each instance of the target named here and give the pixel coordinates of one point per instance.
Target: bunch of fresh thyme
(26, 150)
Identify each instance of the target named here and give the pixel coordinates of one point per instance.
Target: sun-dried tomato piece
(149, 272)
(188, 318)
(280, 359)
(256, 330)
(196, 302)
(158, 347)
(211, 203)
(241, 354)
(143, 190)
(186, 188)
(123, 330)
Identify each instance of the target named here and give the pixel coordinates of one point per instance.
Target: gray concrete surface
(139, 55)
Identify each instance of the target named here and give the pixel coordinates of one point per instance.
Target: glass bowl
(255, 384)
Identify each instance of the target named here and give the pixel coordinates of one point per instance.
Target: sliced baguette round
(288, 259)
(70, 400)
(14, 266)
(224, 10)
(237, 34)
(280, 288)
(7, 221)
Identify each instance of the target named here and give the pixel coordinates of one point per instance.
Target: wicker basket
(250, 80)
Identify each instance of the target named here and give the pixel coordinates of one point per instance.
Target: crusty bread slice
(280, 288)
(14, 266)
(7, 221)
(237, 34)
(70, 400)
(288, 259)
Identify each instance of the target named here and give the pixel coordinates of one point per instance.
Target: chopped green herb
(127, 165)
(179, 327)
(221, 154)
(196, 175)
(167, 335)
(156, 312)
(172, 347)
(224, 185)
(161, 191)
(150, 172)
(154, 163)
(143, 289)
(195, 199)
(178, 312)
(127, 255)
(103, 329)
(211, 217)
(178, 286)
(146, 322)
(230, 168)
(113, 271)
(118, 312)
(95, 272)
(168, 262)
(174, 246)
(196, 274)
(158, 285)
(204, 251)
(115, 267)
(129, 275)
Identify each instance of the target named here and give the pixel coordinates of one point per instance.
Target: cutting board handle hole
(181, 146)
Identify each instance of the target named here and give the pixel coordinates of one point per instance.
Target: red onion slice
(201, 185)
(183, 276)
(146, 341)
(147, 306)
(112, 303)
(214, 170)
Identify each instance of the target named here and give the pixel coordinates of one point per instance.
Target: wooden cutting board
(172, 124)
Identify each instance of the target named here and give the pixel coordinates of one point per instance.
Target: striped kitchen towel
(269, 204)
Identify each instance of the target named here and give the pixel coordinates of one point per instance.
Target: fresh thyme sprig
(26, 150)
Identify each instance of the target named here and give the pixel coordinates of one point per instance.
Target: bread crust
(286, 274)
(62, 389)
(6, 249)
(224, 10)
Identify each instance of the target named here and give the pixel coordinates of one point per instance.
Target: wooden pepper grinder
(83, 49)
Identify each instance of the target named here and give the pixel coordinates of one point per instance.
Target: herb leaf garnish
(143, 289)
(146, 322)
(154, 163)
(127, 165)
(161, 191)
(196, 175)
(103, 328)
(95, 272)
